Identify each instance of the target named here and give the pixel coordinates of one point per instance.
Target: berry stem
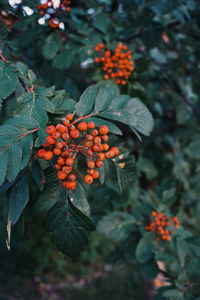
(3, 58)
(81, 118)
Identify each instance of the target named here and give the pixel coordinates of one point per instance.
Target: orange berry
(88, 144)
(89, 137)
(109, 154)
(103, 129)
(99, 163)
(69, 162)
(65, 136)
(50, 129)
(61, 175)
(56, 135)
(60, 161)
(101, 156)
(97, 140)
(105, 147)
(48, 155)
(71, 177)
(153, 213)
(65, 153)
(57, 151)
(95, 174)
(69, 117)
(74, 133)
(91, 164)
(70, 185)
(97, 60)
(95, 148)
(95, 132)
(104, 138)
(90, 152)
(82, 126)
(50, 140)
(61, 128)
(88, 179)
(66, 169)
(41, 153)
(57, 166)
(91, 125)
(66, 122)
(115, 150)
(59, 145)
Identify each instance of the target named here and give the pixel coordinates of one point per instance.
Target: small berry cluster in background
(162, 225)
(91, 142)
(118, 65)
(47, 9)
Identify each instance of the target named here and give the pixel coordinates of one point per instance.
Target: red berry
(74, 133)
(69, 117)
(95, 132)
(82, 126)
(65, 153)
(91, 125)
(103, 129)
(61, 128)
(95, 174)
(48, 155)
(50, 129)
(57, 151)
(89, 137)
(70, 185)
(99, 163)
(104, 138)
(66, 169)
(56, 135)
(50, 140)
(71, 177)
(65, 136)
(58, 167)
(97, 140)
(61, 161)
(41, 153)
(66, 122)
(88, 179)
(115, 150)
(105, 147)
(61, 175)
(91, 164)
(69, 162)
(59, 145)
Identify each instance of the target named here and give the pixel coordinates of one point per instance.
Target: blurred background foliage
(164, 37)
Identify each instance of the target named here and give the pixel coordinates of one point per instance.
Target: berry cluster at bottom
(162, 225)
(91, 142)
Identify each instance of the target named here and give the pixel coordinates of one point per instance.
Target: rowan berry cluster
(91, 142)
(117, 65)
(47, 9)
(162, 225)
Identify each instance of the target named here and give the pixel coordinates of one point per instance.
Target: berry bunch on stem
(47, 9)
(67, 140)
(117, 65)
(162, 225)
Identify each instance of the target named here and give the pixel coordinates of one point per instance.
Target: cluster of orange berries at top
(118, 65)
(91, 142)
(48, 8)
(162, 225)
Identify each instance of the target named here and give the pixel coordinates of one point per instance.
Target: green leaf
(173, 294)
(125, 171)
(3, 169)
(79, 199)
(105, 96)
(86, 101)
(67, 225)
(50, 47)
(181, 250)
(117, 225)
(101, 22)
(119, 102)
(37, 174)
(64, 59)
(51, 194)
(145, 248)
(142, 119)
(8, 79)
(18, 199)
